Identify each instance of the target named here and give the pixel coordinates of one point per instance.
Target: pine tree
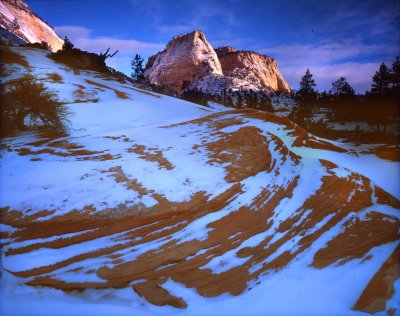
(265, 104)
(381, 81)
(342, 88)
(396, 77)
(228, 101)
(307, 85)
(137, 68)
(239, 101)
(251, 100)
(67, 44)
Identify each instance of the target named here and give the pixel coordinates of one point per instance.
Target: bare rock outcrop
(19, 20)
(190, 62)
(259, 70)
(185, 59)
(224, 50)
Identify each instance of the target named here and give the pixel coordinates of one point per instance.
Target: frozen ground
(205, 202)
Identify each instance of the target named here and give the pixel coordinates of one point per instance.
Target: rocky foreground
(153, 204)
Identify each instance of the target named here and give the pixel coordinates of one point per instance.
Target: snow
(383, 173)
(43, 240)
(46, 256)
(148, 120)
(295, 290)
(141, 121)
(229, 259)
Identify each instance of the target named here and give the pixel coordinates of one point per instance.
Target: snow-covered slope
(152, 204)
(18, 19)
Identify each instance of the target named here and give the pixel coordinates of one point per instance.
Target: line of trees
(378, 106)
(238, 99)
(385, 83)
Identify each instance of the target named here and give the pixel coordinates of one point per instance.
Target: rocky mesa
(190, 62)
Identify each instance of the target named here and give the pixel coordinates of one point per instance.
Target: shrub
(55, 77)
(28, 100)
(78, 59)
(42, 45)
(8, 56)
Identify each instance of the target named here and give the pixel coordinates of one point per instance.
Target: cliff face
(189, 61)
(259, 70)
(185, 59)
(18, 19)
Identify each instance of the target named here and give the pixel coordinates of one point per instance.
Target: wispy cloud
(230, 41)
(339, 38)
(376, 20)
(124, 46)
(329, 61)
(332, 38)
(329, 53)
(358, 74)
(203, 15)
(82, 38)
(72, 31)
(177, 28)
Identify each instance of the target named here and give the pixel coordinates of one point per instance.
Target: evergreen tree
(137, 68)
(396, 77)
(342, 88)
(265, 104)
(239, 101)
(228, 101)
(67, 44)
(252, 100)
(307, 85)
(381, 81)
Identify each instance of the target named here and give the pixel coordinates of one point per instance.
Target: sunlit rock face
(190, 62)
(18, 19)
(259, 70)
(186, 58)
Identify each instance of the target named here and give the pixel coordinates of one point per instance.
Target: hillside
(152, 205)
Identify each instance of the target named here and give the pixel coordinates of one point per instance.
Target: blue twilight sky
(332, 38)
